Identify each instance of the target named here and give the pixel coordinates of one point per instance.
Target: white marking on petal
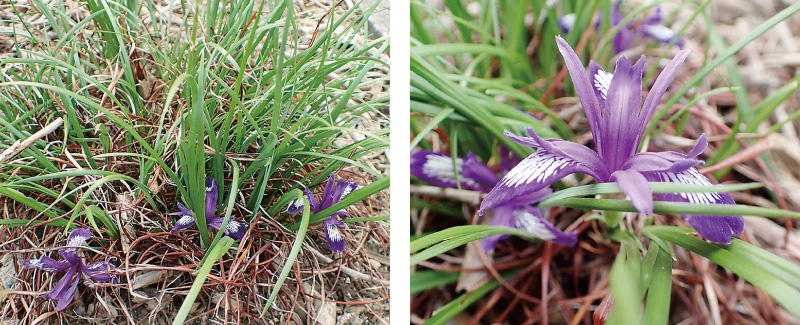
(659, 32)
(185, 220)
(567, 22)
(37, 263)
(296, 204)
(602, 81)
(536, 168)
(441, 168)
(95, 266)
(208, 188)
(347, 190)
(77, 240)
(333, 233)
(233, 227)
(692, 176)
(532, 224)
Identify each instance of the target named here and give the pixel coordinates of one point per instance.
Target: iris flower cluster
(651, 28)
(64, 291)
(617, 118)
(471, 173)
(234, 229)
(334, 192)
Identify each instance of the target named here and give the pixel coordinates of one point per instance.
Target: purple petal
(185, 221)
(215, 222)
(294, 206)
(437, 169)
(77, 237)
(98, 271)
(531, 198)
(182, 210)
(64, 290)
(333, 235)
(534, 173)
(235, 229)
(718, 229)
(572, 151)
(312, 201)
(657, 91)
(475, 170)
(699, 146)
(530, 219)
(503, 217)
(635, 186)
(211, 197)
(622, 105)
(46, 264)
(508, 159)
(656, 162)
(583, 87)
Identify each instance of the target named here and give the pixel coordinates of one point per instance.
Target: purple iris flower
(650, 28)
(437, 169)
(617, 121)
(64, 291)
(334, 192)
(234, 229)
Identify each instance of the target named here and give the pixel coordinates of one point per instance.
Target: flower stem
(611, 219)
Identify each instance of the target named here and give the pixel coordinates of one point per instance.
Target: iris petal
(76, 238)
(718, 229)
(46, 264)
(333, 236)
(530, 219)
(635, 186)
(583, 87)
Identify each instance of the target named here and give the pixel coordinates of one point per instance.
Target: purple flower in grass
(65, 289)
(437, 169)
(234, 229)
(651, 27)
(617, 118)
(333, 193)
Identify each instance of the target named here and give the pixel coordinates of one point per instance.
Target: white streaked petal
(233, 227)
(532, 224)
(659, 32)
(333, 233)
(185, 220)
(537, 168)
(347, 190)
(441, 168)
(692, 176)
(602, 81)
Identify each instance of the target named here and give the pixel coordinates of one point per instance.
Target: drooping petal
(571, 150)
(530, 219)
(437, 169)
(661, 33)
(235, 229)
(333, 235)
(530, 198)
(657, 91)
(294, 206)
(477, 171)
(76, 238)
(185, 221)
(211, 197)
(342, 189)
(46, 264)
(718, 229)
(539, 170)
(583, 87)
(502, 217)
(622, 106)
(635, 186)
(99, 271)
